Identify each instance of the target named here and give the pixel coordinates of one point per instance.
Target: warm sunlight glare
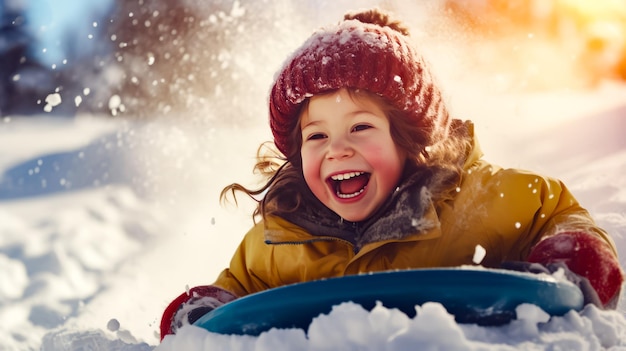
(595, 10)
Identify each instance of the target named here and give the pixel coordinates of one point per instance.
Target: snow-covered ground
(103, 222)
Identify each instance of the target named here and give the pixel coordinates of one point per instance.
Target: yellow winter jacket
(505, 211)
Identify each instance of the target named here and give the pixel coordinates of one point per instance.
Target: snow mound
(350, 327)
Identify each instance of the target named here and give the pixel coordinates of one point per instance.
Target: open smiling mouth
(349, 185)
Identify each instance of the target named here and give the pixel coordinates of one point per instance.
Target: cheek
(311, 171)
(388, 162)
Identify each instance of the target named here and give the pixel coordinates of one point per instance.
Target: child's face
(349, 160)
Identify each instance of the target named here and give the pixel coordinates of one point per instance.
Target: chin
(352, 217)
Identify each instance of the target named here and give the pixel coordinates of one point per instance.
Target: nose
(339, 149)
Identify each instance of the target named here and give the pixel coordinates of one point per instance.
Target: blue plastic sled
(472, 295)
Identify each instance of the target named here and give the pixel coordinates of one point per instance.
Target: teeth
(349, 196)
(346, 175)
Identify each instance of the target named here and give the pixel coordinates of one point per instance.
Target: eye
(360, 127)
(316, 136)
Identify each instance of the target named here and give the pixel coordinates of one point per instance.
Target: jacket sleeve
(559, 230)
(571, 236)
(250, 265)
(522, 208)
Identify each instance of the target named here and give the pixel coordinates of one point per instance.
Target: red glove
(586, 255)
(195, 298)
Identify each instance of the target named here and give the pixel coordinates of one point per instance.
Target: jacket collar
(407, 211)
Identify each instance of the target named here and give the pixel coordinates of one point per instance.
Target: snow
(350, 327)
(104, 221)
(479, 254)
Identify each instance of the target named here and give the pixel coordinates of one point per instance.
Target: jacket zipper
(308, 241)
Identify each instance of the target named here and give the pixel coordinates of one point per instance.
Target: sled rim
(471, 294)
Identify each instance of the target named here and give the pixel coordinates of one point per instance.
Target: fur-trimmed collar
(401, 215)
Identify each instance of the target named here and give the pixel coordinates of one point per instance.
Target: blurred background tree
(22, 78)
(141, 58)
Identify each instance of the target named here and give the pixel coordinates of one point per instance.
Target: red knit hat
(358, 55)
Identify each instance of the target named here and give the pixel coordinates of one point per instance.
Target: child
(377, 176)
